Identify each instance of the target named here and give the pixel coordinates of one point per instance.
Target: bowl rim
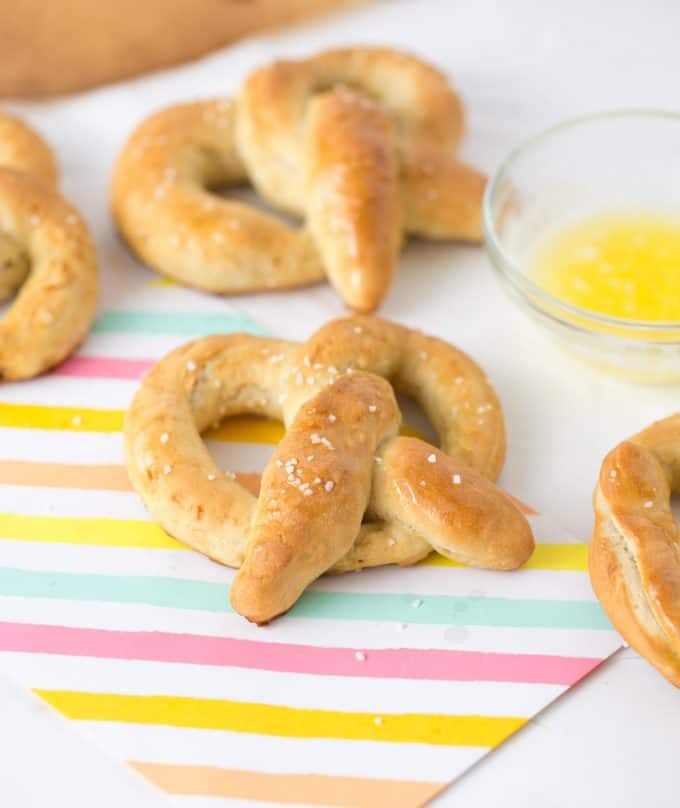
(509, 270)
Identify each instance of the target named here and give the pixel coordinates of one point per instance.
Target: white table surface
(520, 66)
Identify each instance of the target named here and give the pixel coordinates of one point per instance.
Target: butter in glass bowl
(582, 224)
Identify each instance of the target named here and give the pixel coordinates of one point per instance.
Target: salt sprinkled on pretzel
(46, 246)
(360, 143)
(343, 490)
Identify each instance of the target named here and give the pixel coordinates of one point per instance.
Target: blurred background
(52, 48)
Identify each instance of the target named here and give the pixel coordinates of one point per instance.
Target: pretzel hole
(415, 420)
(15, 266)
(675, 508)
(249, 196)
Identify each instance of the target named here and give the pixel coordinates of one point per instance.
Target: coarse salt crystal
(191, 366)
(329, 485)
(164, 437)
(432, 458)
(456, 479)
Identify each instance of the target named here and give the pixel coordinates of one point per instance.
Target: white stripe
(76, 558)
(181, 801)
(130, 346)
(235, 750)
(71, 391)
(60, 446)
(298, 690)
(460, 581)
(73, 447)
(544, 527)
(73, 502)
(319, 632)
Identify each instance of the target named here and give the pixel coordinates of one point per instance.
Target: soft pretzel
(362, 166)
(635, 552)
(42, 238)
(342, 491)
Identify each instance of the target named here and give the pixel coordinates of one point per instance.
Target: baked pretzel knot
(635, 552)
(360, 143)
(44, 245)
(343, 490)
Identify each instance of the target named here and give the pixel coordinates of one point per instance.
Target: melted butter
(618, 264)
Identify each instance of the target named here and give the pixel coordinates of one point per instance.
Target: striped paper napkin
(375, 690)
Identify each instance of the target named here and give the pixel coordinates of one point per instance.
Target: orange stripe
(98, 477)
(314, 789)
(109, 478)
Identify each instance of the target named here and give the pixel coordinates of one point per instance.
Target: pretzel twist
(362, 166)
(44, 245)
(635, 552)
(343, 490)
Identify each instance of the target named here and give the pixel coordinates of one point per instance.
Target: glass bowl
(621, 160)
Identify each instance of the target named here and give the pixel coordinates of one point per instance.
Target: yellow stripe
(241, 429)
(268, 719)
(558, 557)
(141, 534)
(81, 419)
(91, 532)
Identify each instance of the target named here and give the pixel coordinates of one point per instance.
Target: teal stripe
(190, 324)
(214, 597)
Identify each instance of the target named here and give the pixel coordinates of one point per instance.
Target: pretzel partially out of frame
(635, 552)
(44, 245)
(361, 143)
(343, 490)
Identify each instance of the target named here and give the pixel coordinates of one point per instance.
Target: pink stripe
(101, 367)
(403, 663)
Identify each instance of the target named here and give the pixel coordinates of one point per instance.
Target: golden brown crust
(164, 209)
(354, 199)
(24, 150)
(362, 165)
(44, 240)
(314, 494)
(55, 307)
(341, 419)
(635, 552)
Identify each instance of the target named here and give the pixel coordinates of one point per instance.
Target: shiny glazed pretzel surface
(343, 490)
(360, 143)
(635, 552)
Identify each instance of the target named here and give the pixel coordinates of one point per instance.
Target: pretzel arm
(314, 494)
